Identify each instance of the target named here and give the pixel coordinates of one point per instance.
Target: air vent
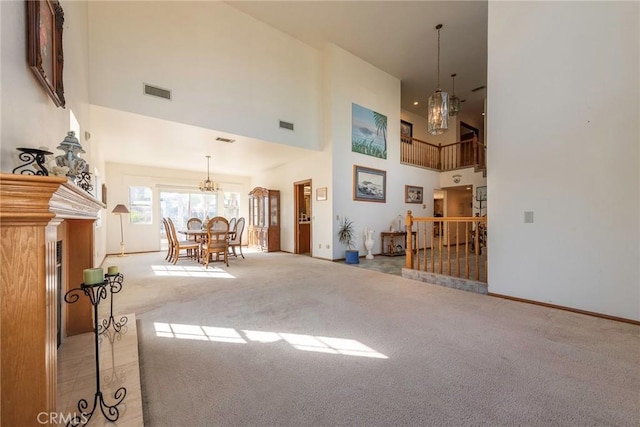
(286, 125)
(478, 88)
(225, 140)
(157, 91)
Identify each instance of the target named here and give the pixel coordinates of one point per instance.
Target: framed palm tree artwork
(368, 132)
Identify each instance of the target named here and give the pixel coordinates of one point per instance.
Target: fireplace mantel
(35, 212)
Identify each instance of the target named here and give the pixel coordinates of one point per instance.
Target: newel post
(409, 252)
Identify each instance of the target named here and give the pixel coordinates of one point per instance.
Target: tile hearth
(119, 367)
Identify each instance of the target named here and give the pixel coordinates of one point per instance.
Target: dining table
(201, 235)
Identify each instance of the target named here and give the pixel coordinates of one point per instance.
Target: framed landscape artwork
(45, 20)
(368, 132)
(369, 185)
(413, 194)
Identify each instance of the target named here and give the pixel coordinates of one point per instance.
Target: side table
(394, 243)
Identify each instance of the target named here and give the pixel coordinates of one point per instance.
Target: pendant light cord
(439, 26)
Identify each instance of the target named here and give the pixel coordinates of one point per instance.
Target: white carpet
(285, 340)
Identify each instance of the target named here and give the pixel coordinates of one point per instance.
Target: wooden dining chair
(232, 225)
(170, 242)
(217, 240)
(235, 241)
(191, 248)
(194, 224)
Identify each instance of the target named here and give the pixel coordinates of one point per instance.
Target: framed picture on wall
(406, 131)
(413, 194)
(45, 20)
(368, 132)
(321, 193)
(369, 185)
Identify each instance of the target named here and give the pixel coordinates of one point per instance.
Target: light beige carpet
(284, 340)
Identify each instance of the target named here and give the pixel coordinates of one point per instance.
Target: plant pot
(352, 257)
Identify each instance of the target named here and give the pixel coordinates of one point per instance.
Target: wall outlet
(319, 245)
(528, 217)
(327, 246)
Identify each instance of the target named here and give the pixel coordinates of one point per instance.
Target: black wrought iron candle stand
(115, 286)
(96, 293)
(33, 159)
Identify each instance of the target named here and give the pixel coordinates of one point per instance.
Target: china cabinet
(264, 219)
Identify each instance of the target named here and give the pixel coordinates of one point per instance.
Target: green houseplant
(346, 236)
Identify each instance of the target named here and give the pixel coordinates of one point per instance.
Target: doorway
(302, 226)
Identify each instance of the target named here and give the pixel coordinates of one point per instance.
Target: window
(140, 205)
(182, 205)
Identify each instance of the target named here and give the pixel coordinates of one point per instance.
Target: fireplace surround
(36, 212)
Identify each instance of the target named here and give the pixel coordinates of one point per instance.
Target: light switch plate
(528, 217)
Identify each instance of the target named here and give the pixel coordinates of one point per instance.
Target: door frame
(296, 206)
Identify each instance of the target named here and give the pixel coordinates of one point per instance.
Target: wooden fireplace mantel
(36, 212)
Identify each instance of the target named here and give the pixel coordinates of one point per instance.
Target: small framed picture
(369, 185)
(413, 194)
(321, 193)
(406, 131)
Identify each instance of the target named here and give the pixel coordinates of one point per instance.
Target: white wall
(316, 166)
(146, 237)
(227, 71)
(351, 80)
(29, 117)
(564, 141)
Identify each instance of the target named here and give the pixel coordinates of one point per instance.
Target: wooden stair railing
(461, 154)
(453, 246)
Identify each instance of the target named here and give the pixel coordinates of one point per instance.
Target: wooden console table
(394, 243)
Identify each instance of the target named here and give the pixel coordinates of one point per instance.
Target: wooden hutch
(264, 219)
(46, 241)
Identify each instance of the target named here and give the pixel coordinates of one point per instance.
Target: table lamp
(121, 209)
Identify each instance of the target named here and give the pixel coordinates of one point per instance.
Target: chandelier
(438, 105)
(208, 185)
(454, 101)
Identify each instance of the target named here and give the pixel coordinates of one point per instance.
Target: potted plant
(346, 236)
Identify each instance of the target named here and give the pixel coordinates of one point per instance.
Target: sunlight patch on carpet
(190, 271)
(328, 345)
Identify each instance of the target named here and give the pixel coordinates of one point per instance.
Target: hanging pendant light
(438, 105)
(454, 101)
(208, 185)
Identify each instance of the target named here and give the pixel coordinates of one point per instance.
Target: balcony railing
(458, 155)
(453, 246)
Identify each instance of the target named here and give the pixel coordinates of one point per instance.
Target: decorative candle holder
(96, 293)
(84, 181)
(115, 286)
(30, 156)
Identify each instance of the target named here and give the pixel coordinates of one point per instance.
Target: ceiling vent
(286, 125)
(225, 140)
(157, 91)
(478, 88)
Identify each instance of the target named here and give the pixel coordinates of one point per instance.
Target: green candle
(93, 276)
(112, 270)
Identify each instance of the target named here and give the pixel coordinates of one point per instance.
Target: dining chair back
(194, 224)
(232, 225)
(191, 248)
(236, 238)
(170, 242)
(217, 240)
